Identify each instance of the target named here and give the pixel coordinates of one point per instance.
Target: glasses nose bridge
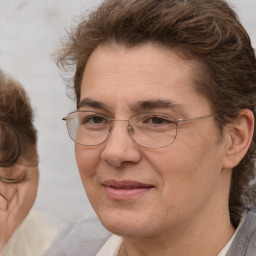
(129, 127)
(112, 120)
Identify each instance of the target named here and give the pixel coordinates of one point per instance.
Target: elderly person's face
(18, 189)
(138, 191)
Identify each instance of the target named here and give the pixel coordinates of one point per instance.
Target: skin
(17, 197)
(187, 208)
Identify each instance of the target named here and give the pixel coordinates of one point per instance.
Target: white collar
(228, 244)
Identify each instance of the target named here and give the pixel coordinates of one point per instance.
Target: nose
(120, 148)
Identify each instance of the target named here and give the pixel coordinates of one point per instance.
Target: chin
(125, 224)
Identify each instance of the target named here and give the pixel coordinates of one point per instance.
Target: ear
(238, 136)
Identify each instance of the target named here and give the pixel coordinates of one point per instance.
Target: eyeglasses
(149, 130)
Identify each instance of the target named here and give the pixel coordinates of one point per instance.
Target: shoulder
(245, 239)
(84, 237)
(31, 238)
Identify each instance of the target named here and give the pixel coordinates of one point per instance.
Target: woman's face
(18, 189)
(137, 191)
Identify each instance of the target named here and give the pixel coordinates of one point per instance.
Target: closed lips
(126, 184)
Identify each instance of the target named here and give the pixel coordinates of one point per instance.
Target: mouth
(125, 190)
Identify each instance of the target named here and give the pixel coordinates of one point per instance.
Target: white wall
(30, 31)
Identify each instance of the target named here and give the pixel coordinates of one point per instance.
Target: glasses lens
(153, 130)
(87, 128)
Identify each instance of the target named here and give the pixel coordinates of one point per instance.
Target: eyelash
(14, 181)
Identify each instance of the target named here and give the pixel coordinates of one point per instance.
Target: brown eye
(96, 120)
(158, 120)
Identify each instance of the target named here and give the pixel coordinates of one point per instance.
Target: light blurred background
(30, 31)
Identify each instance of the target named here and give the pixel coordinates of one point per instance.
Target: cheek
(184, 168)
(176, 174)
(26, 195)
(87, 159)
(30, 191)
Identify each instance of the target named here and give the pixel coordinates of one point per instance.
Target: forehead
(147, 58)
(116, 74)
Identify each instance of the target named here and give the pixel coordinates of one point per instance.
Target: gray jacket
(87, 237)
(244, 243)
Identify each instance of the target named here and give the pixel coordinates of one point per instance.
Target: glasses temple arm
(196, 118)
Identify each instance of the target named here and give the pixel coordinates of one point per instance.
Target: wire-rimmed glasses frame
(150, 129)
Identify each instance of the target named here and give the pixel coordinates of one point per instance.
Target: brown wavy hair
(17, 132)
(207, 31)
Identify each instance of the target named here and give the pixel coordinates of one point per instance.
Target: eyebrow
(87, 102)
(153, 104)
(140, 106)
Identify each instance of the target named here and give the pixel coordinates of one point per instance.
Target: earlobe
(238, 137)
